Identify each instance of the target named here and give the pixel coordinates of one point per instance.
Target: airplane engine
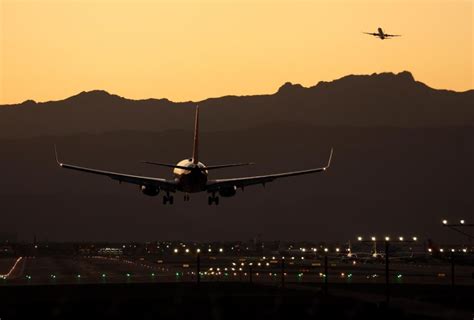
(228, 192)
(150, 191)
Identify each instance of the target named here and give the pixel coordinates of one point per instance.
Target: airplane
(382, 35)
(191, 176)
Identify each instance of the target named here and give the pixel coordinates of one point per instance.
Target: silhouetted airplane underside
(380, 34)
(191, 176)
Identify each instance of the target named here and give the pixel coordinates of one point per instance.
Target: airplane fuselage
(192, 180)
(381, 34)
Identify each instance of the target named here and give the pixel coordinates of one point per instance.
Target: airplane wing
(215, 185)
(164, 184)
(371, 33)
(392, 35)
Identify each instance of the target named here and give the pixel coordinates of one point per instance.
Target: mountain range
(402, 162)
(385, 99)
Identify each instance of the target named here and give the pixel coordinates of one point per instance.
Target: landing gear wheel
(213, 199)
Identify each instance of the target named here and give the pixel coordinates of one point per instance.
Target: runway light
(187, 250)
(373, 238)
(462, 221)
(441, 250)
(359, 238)
(399, 276)
(152, 274)
(104, 275)
(209, 250)
(464, 250)
(400, 238)
(452, 250)
(175, 250)
(445, 221)
(337, 249)
(128, 275)
(221, 250)
(349, 275)
(78, 276)
(430, 250)
(387, 238)
(415, 238)
(198, 250)
(326, 249)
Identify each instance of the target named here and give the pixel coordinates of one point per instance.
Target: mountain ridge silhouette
(383, 99)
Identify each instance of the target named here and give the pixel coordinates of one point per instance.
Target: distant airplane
(191, 176)
(382, 35)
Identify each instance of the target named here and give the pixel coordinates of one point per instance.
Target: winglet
(56, 154)
(329, 160)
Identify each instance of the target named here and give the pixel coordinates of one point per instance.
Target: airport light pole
(326, 276)
(387, 242)
(198, 267)
(282, 272)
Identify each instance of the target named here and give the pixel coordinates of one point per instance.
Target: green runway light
(177, 274)
(349, 275)
(103, 275)
(128, 275)
(152, 274)
(399, 276)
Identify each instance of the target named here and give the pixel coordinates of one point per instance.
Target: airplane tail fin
(196, 137)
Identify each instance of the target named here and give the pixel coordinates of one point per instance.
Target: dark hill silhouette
(384, 99)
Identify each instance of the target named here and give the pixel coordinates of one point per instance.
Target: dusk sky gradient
(191, 50)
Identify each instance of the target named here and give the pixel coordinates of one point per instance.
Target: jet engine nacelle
(228, 192)
(150, 191)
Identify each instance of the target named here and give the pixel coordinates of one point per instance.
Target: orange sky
(191, 50)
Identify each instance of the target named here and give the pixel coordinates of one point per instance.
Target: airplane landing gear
(168, 199)
(213, 199)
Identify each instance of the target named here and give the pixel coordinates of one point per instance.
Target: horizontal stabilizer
(165, 165)
(220, 166)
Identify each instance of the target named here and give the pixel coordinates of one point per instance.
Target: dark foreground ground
(233, 300)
